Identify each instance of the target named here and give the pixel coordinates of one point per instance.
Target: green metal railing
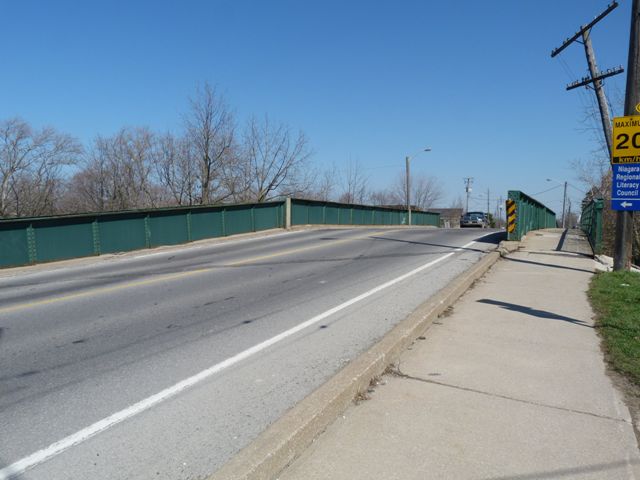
(530, 215)
(312, 212)
(25, 241)
(591, 223)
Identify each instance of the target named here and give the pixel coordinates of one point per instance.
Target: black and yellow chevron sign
(511, 216)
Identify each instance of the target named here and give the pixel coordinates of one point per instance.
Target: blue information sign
(625, 186)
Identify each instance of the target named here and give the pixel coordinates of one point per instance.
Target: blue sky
(371, 81)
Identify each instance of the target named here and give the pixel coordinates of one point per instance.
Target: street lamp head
(426, 149)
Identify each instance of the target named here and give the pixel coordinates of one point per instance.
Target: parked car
(473, 219)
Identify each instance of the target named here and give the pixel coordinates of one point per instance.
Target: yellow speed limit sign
(626, 140)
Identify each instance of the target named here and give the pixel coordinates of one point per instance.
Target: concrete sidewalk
(510, 385)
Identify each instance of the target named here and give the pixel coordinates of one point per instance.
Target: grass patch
(615, 297)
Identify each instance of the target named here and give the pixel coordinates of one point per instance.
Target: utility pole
(488, 193)
(468, 182)
(596, 77)
(569, 214)
(603, 106)
(624, 223)
(624, 219)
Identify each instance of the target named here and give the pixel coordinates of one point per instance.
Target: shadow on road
(534, 312)
(493, 238)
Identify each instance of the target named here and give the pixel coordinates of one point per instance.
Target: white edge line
(56, 448)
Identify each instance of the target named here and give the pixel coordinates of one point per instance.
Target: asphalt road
(164, 365)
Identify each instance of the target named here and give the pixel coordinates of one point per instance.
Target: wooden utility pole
(468, 181)
(596, 77)
(488, 212)
(603, 106)
(624, 223)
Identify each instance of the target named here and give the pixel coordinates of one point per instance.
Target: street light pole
(564, 203)
(407, 175)
(407, 160)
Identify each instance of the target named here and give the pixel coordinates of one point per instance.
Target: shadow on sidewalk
(531, 262)
(534, 312)
(557, 254)
(569, 472)
(579, 243)
(563, 237)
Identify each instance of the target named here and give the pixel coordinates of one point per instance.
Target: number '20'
(624, 140)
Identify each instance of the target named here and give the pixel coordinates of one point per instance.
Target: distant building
(449, 217)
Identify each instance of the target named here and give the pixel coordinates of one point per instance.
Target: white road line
(22, 465)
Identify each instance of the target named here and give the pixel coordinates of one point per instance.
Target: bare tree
(382, 197)
(210, 131)
(355, 184)
(85, 191)
(31, 165)
(458, 202)
(322, 185)
(276, 161)
(425, 191)
(176, 171)
(117, 174)
(326, 183)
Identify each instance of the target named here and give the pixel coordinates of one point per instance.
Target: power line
(547, 190)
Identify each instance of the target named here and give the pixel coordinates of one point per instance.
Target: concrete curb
(289, 436)
(508, 246)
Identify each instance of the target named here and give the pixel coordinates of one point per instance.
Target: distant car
(473, 219)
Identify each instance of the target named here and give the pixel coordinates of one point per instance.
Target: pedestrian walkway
(510, 385)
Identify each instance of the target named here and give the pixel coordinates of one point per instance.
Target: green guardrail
(529, 215)
(313, 212)
(26, 241)
(591, 223)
